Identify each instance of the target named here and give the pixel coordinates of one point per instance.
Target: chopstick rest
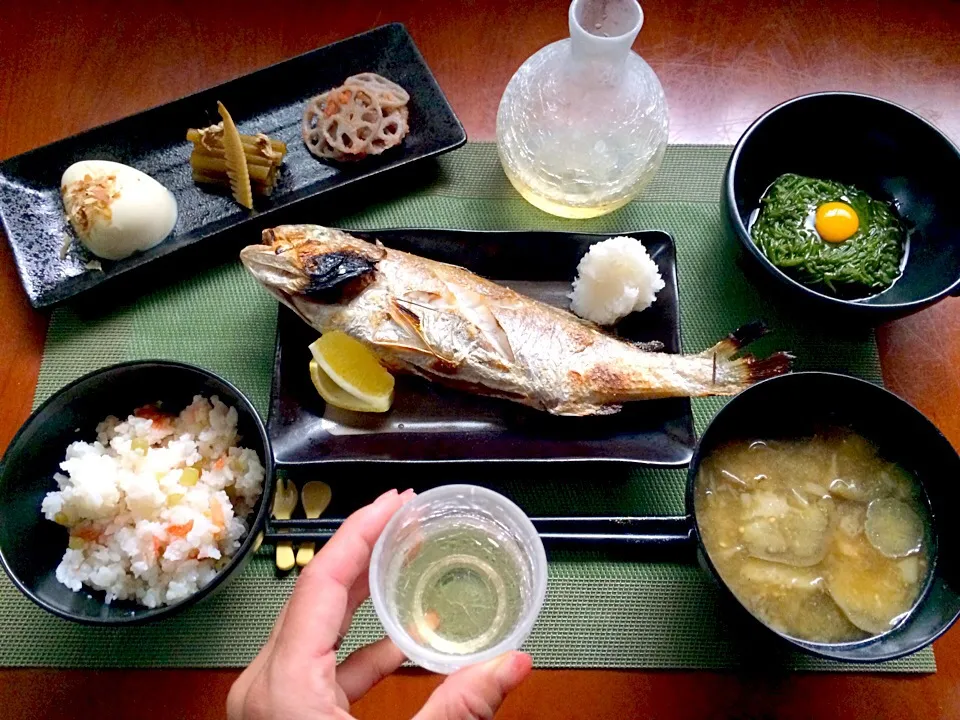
(285, 500)
(316, 498)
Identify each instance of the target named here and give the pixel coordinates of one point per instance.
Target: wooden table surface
(67, 66)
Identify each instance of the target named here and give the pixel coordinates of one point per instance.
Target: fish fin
(403, 314)
(496, 335)
(425, 298)
(755, 369)
(409, 347)
(409, 321)
(748, 369)
(475, 308)
(738, 339)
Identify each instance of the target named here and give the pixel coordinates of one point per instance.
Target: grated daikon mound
(615, 278)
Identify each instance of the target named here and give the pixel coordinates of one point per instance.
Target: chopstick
(587, 531)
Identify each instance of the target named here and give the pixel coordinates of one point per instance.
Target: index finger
(319, 600)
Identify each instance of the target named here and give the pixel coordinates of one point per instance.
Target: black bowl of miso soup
(847, 204)
(824, 504)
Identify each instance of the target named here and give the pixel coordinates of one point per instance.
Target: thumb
(476, 692)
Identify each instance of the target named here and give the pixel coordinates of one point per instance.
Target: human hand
(295, 676)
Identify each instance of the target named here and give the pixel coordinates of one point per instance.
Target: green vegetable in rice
(866, 263)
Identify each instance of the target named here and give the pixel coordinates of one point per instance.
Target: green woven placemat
(599, 612)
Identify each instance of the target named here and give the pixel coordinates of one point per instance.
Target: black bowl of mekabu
(824, 506)
(133, 493)
(847, 202)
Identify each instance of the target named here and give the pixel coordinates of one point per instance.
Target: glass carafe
(582, 125)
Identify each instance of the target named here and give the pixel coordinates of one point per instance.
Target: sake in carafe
(582, 125)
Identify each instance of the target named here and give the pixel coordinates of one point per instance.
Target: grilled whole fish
(446, 324)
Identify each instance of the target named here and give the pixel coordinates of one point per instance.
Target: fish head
(313, 263)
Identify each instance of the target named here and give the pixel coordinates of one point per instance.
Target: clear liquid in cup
(458, 577)
(459, 586)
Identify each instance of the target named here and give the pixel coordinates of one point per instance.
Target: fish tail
(740, 338)
(640, 375)
(731, 371)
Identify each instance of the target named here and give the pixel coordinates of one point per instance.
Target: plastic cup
(438, 509)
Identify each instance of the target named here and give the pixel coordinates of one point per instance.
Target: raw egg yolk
(836, 221)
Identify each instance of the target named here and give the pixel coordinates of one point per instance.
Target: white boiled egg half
(115, 209)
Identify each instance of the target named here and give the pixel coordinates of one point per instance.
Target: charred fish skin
(452, 327)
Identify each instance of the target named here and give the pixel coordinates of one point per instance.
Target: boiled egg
(115, 209)
(836, 221)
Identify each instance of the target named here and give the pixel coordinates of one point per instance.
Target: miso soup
(821, 538)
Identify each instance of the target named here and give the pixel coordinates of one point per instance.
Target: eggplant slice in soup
(872, 591)
(893, 528)
(792, 531)
(854, 473)
(779, 594)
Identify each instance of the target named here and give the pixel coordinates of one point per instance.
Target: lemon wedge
(337, 396)
(348, 375)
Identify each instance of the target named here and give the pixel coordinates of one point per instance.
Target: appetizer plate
(430, 423)
(270, 101)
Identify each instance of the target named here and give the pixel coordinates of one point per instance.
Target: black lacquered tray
(430, 424)
(269, 101)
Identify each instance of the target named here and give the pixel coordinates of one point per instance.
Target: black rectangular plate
(430, 423)
(269, 101)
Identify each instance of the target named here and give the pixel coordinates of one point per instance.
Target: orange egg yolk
(836, 222)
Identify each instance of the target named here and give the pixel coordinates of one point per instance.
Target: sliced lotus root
(352, 118)
(366, 115)
(388, 92)
(311, 129)
(340, 123)
(393, 129)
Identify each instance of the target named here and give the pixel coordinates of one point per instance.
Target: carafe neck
(602, 31)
